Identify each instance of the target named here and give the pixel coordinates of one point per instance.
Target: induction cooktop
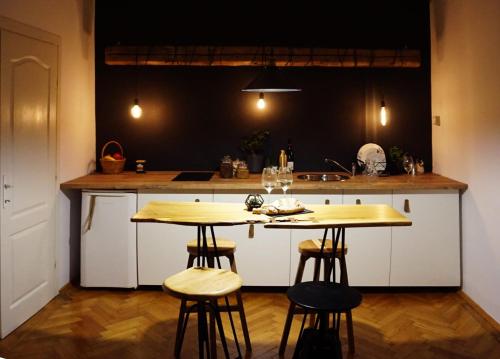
(193, 176)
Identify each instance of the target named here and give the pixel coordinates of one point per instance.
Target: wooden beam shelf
(255, 56)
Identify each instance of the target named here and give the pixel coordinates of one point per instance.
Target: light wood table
(326, 217)
(328, 296)
(204, 215)
(201, 215)
(210, 214)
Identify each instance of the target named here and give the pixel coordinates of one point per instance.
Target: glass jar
(226, 167)
(242, 171)
(419, 167)
(139, 166)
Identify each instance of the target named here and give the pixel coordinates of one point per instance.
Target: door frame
(33, 32)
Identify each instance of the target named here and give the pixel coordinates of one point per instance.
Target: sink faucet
(330, 161)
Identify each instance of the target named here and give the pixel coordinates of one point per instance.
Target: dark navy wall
(193, 116)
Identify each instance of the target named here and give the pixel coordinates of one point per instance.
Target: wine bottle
(289, 155)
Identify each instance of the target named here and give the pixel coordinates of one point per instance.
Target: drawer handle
(358, 201)
(197, 200)
(407, 206)
(327, 201)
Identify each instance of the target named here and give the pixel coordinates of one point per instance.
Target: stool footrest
(314, 344)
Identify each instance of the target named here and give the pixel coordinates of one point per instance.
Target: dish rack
(112, 166)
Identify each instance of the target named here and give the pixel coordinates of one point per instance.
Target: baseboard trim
(488, 319)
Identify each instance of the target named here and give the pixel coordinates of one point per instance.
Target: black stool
(322, 298)
(311, 249)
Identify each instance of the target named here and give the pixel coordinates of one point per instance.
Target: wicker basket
(109, 166)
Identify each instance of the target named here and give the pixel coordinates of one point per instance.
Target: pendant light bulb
(136, 110)
(383, 113)
(261, 103)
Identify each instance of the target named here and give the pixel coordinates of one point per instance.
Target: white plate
(374, 153)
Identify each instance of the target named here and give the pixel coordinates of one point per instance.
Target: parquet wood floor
(82, 323)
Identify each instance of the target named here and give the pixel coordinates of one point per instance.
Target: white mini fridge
(108, 240)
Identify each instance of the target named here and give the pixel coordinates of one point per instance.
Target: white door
(28, 87)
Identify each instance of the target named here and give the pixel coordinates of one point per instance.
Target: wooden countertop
(156, 180)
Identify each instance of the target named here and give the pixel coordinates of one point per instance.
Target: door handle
(88, 222)
(197, 200)
(5, 192)
(327, 201)
(358, 201)
(407, 206)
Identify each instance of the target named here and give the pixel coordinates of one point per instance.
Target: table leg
(198, 247)
(226, 299)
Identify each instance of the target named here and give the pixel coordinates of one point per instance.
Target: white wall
(72, 20)
(466, 94)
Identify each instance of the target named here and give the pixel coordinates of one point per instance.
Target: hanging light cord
(136, 76)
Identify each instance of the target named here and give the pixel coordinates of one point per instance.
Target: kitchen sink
(324, 177)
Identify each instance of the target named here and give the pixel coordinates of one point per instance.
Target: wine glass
(269, 180)
(408, 163)
(285, 178)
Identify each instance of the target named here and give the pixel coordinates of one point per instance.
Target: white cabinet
(108, 242)
(161, 247)
(369, 249)
(425, 254)
(428, 252)
(263, 260)
(298, 235)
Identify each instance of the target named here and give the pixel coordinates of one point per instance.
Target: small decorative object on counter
(419, 167)
(226, 167)
(139, 166)
(112, 163)
(236, 163)
(254, 201)
(242, 171)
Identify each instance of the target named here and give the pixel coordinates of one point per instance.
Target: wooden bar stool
(204, 286)
(225, 248)
(311, 248)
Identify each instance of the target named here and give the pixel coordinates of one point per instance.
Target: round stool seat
(313, 246)
(200, 282)
(223, 245)
(324, 296)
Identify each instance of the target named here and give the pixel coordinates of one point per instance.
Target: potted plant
(396, 163)
(253, 147)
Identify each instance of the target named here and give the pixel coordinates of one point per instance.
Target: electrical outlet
(436, 120)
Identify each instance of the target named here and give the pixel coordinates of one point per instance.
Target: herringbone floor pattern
(82, 323)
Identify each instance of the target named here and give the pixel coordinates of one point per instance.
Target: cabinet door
(161, 247)
(299, 235)
(369, 249)
(428, 252)
(263, 260)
